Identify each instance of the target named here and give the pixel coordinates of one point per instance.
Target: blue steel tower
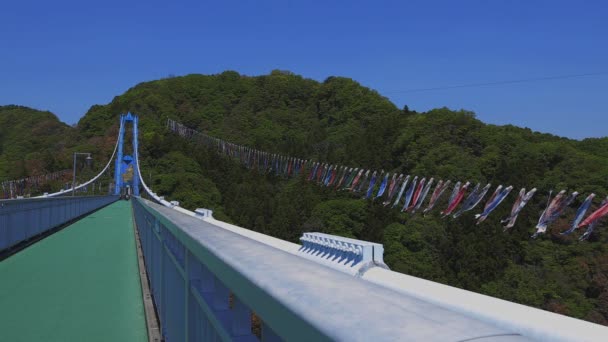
(125, 163)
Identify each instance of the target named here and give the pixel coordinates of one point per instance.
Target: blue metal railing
(206, 281)
(23, 219)
(193, 304)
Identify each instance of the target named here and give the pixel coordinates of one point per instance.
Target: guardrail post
(241, 322)
(221, 302)
(186, 294)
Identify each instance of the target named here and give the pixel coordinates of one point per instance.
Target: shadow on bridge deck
(79, 284)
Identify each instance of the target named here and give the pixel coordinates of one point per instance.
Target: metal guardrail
(23, 219)
(207, 280)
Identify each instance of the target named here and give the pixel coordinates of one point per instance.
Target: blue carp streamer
(499, 195)
(580, 213)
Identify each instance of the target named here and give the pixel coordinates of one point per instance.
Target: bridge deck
(80, 284)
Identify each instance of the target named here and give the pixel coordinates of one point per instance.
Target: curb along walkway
(79, 284)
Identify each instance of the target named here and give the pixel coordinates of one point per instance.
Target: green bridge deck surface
(79, 284)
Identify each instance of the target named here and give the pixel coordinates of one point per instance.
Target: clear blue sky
(66, 56)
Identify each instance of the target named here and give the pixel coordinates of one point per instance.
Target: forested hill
(340, 121)
(31, 142)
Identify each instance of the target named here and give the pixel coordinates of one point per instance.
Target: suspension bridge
(95, 268)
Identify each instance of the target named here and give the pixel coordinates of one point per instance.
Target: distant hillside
(337, 119)
(31, 142)
(596, 146)
(340, 121)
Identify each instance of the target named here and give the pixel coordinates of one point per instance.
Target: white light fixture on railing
(88, 160)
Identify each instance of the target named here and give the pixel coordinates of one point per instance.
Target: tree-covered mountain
(340, 121)
(31, 142)
(34, 142)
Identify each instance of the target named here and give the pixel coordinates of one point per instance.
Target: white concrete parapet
(322, 291)
(197, 268)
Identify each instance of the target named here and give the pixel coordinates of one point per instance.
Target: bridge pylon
(125, 170)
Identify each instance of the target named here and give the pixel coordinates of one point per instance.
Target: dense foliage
(340, 121)
(31, 142)
(34, 143)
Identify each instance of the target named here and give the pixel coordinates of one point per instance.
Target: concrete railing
(23, 219)
(207, 281)
(520, 319)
